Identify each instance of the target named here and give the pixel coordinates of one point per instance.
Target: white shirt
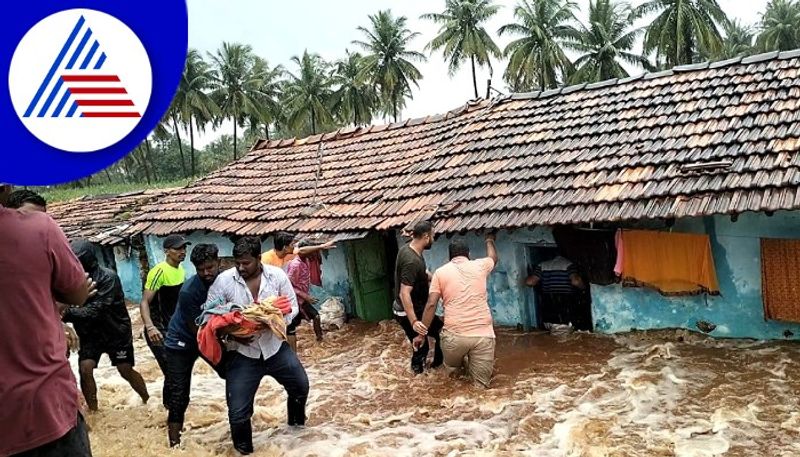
(230, 287)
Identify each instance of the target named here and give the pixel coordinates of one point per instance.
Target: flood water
(641, 394)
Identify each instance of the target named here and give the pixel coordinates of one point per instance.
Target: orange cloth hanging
(672, 263)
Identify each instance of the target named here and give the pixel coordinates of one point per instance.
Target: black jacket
(103, 319)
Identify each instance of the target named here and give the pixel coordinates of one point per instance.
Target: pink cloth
(462, 285)
(299, 274)
(315, 268)
(620, 252)
(37, 388)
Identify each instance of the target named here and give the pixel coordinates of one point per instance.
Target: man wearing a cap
(160, 297)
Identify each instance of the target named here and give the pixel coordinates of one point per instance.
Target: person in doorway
(181, 339)
(468, 339)
(26, 201)
(285, 250)
(412, 281)
(558, 282)
(160, 297)
(40, 416)
(299, 274)
(264, 355)
(103, 326)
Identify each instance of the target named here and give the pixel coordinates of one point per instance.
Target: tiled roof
(100, 219)
(707, 139)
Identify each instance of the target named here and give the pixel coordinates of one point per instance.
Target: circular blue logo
(87, 82)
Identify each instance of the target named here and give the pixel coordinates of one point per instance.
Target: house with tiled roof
(709, 149)
(102, 220)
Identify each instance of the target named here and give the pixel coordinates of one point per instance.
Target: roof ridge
(350, 131)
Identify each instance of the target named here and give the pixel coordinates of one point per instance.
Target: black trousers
(160, 353)
(180, 364)
(418, 357)
(74, 444)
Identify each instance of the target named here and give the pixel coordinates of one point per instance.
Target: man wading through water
(181, 338)
(103, 326)
(412, 280)
(263, 355)
(160, 297)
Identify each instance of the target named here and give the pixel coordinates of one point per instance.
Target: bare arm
(491, 249)
(305, 250)
(577, 281)
(532, 281)
(405, 299)
(430, 308)
(144, 308)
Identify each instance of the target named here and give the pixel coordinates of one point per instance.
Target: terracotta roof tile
(608, 151)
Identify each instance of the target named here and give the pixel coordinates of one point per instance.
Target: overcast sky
(278, 30)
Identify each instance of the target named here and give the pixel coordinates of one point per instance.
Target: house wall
(738, 312)
(127, 265)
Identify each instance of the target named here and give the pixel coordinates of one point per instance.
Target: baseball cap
(175, 242)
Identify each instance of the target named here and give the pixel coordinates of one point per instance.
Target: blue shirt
(181, 334)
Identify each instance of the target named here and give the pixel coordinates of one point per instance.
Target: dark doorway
(574, 307)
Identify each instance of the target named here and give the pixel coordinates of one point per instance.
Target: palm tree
(681, 29)
(268, 94)
(388, 63)
(236, 86)
(171, 117)
(779, 26)
(197, 108)
(462, 35)
(309, 93)
(738, 41)
(606, 43)
(537, 58)
(354, 99)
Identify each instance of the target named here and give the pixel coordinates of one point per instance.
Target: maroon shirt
(38, 392)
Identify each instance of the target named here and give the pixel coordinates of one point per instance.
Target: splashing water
(641, 394)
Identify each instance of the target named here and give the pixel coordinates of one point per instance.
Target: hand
(72, 338)
(420, 328)
(313, 300)
(491, 236)
(419, 340)
(283, 304)
(62, 308)
(90, 286)
(156, 338)
(328, 245)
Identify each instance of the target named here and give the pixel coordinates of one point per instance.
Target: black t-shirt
(410, 270)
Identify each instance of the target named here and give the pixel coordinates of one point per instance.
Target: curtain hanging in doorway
(672, 263)
(780, 262)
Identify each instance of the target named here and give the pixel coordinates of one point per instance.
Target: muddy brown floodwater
(640, 394)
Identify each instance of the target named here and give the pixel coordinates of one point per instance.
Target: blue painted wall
(127, 260)
(738, 312)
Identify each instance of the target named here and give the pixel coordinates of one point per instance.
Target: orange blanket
(672, 263)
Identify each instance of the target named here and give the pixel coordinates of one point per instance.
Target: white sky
(278, 30)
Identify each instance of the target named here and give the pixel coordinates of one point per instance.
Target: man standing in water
(468, 338)
(411, 279)
(160, 297)
(40, 414)
(181, 339)
(103, 326)
(265, 355)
